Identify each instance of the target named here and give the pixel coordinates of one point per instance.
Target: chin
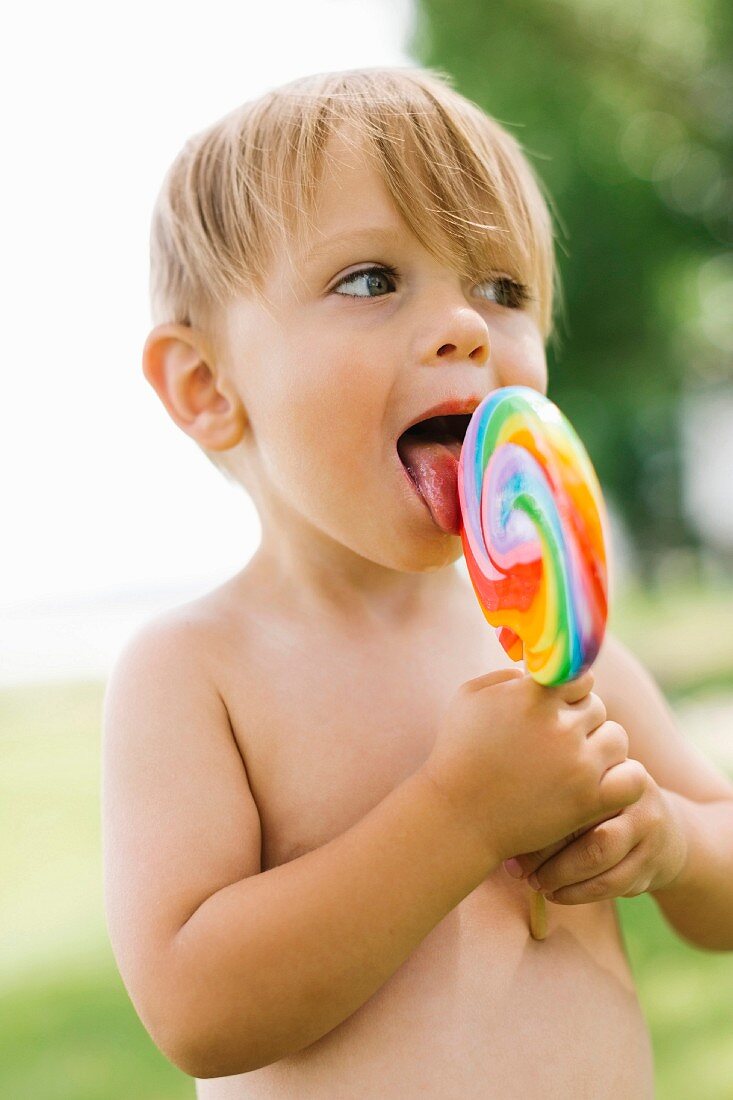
(424, 552)
(449, 549)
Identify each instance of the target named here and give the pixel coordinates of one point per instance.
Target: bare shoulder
(197, 635)
(165, 664)
(177, 635)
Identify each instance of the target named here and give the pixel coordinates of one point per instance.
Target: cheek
(519, 356)
(322, 418)
(536, 370)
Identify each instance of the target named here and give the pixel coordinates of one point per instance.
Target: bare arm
(699, 904)
(231, 969)
(290, 953)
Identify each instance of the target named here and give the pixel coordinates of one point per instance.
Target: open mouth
(429, 452)
(448, 430)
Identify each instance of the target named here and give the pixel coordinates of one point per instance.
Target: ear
(179, 366)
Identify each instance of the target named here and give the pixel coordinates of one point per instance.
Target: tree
(626, 113)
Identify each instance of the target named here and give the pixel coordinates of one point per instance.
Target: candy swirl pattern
(532, 527)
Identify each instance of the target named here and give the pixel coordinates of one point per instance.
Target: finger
(597, 850)
(575, 690)
(622, 785)
(591, 710)
(612, 743)
(626, 879)
(523, 865)
(496, 676)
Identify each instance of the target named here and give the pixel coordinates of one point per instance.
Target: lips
(453, 406)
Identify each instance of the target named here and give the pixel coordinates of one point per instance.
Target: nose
(459, 334)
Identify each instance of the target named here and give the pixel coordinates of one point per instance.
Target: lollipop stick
(537, 916)
(537, 904)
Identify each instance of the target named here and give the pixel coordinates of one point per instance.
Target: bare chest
(327, 729)
(329, 726)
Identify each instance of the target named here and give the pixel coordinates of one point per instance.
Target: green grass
(69, 1031)
(687, 997)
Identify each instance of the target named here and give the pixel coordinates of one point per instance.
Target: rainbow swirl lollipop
(533, 523)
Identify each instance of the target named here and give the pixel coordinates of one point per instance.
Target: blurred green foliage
(682, 634)
(625, 110)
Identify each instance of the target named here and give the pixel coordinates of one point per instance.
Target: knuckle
(593, 854)
(637, 777)
(618, 734)
(599, 709)
(630, 782)
(561, 725)
(623, 738)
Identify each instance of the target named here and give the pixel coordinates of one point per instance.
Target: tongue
(433, 467)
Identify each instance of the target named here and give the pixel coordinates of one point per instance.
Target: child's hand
(522, 764)
(641, 848)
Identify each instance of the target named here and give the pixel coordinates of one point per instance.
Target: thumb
(497, 676)
(525, 864)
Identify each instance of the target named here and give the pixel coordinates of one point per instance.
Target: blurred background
(111, 514)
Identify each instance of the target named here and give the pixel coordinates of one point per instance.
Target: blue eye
(506, 292)
(371, 282)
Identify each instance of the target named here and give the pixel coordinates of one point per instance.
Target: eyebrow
(377, 236)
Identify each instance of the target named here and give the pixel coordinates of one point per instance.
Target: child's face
(342, 362)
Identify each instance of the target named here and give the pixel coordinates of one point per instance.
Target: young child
(313, 775)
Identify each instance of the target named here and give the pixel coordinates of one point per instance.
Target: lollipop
(533, 533)
(532, 527)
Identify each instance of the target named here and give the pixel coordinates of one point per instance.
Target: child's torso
(328, 727)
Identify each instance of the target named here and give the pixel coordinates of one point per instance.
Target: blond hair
(460, 181)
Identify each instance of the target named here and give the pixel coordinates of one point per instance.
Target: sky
(100, 492)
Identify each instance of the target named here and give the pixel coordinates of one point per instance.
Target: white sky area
(101, 493)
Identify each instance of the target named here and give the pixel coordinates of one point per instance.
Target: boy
(315, 777)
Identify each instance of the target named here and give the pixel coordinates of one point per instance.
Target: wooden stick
(537, 916)
(537, 906)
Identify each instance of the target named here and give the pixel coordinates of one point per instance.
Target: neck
(321, 576)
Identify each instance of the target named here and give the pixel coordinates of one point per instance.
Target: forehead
(349, 191)
(388, 187)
